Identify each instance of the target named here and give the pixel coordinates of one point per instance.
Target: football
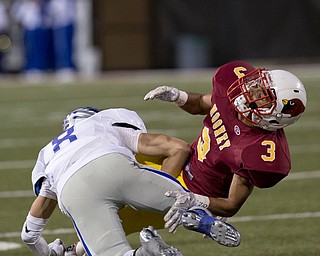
(80, 250)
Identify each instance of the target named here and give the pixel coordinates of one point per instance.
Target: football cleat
(153, 245)
(201, 220)
(75, 250)
(70, 250)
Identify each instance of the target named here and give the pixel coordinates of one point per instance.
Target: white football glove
(184, 201)
(168, 93)
(56, 248)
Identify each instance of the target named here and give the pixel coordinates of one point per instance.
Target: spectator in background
(4, 27)
(48, 27)
(62, 14)
(30, 14)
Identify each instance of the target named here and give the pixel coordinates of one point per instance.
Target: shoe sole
(146, 235)
(220, 231)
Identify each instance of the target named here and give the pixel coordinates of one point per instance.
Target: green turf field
(284, 220)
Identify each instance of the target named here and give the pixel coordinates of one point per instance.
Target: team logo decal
(236, 129)
(293, 107)
(188, 171)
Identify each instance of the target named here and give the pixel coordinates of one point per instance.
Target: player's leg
(144, 188)
(143, 218)
(151, 245)
(93, 196)
(94, 214)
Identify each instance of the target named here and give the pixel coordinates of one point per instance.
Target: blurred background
(83, 37)
(111, 53)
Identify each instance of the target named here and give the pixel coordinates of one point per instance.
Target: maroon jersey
(227, 146)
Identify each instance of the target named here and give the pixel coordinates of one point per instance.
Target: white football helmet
(78, 115)
(268, 99)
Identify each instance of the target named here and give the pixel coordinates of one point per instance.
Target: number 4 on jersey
(67, 135)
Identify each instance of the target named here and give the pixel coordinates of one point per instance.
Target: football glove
(168, 93)
(56, 248)
(184, 201)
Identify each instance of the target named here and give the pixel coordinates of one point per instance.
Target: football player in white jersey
(90, 171)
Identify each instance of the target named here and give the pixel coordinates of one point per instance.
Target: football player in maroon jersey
(242, 144)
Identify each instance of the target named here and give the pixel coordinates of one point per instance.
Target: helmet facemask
(252, 96)
(270, 100)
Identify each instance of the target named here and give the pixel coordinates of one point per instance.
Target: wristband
(202, 201)
(182, 99)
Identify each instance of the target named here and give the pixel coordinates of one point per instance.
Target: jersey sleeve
(261, 179)
(129, 138)
(45, 190)
(38, 173)
(266, 160)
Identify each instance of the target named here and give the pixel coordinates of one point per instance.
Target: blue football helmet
(77, 115)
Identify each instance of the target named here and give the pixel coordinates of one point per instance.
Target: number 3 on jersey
(271, 150)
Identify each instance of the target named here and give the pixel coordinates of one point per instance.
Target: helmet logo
(293, 107)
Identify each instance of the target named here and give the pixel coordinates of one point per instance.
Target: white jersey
(108, 131)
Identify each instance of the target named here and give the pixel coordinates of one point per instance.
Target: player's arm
(197, 104)
(239, 191)
(193, 103)
(174, 150)
(38, 216)
(225, 207)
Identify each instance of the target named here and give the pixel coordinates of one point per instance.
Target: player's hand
(165, 93)
(184, 201)
(56, 248)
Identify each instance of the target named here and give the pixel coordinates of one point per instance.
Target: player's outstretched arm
(193, 103)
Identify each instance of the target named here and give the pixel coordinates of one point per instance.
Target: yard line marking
(58, 231)
(303, 175)
(282, 216)
(5, 246)
(16, 194)
(27, 164)
(292, 176)
(20, 164)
